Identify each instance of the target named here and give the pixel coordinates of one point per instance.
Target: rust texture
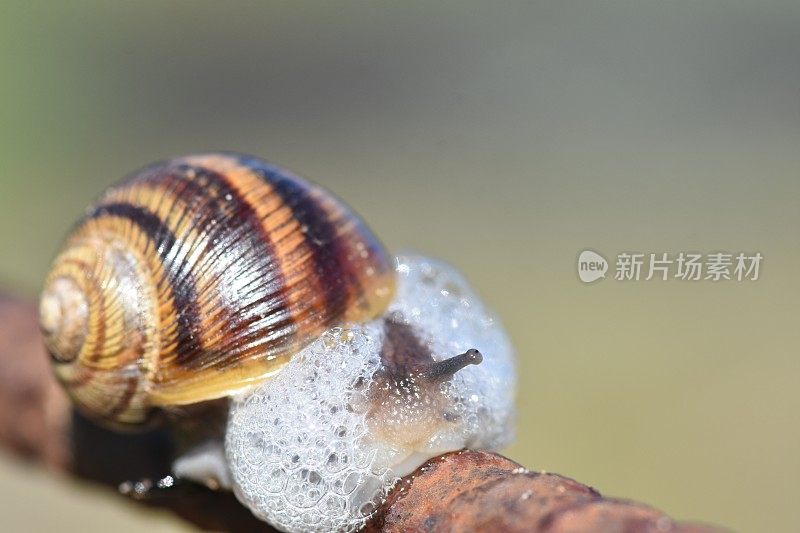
(480, 491)
(457, 492)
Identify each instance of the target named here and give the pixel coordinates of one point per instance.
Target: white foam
(438, 302)
(300, 447)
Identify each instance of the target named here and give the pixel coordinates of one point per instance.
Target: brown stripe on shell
(161, 202)
(124, 401)
(165, 241)
(302, 288)
(129, 255)
(351, 248)
(322, 236)
(233, 239)
(263, 303)
(352, 264)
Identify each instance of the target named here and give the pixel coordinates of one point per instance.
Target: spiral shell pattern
(201, 276)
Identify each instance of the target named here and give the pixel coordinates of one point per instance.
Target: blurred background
(504, 138)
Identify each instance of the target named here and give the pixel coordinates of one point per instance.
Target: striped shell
(198, 277)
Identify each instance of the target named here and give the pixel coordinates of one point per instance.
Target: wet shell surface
(199, 276)
(318, 446)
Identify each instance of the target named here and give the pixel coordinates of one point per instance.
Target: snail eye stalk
(444, 370)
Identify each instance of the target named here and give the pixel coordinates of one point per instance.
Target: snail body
(201, 276)
(317, 447)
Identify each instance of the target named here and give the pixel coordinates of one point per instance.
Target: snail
(218, 283)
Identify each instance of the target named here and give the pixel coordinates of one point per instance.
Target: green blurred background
(505, 138)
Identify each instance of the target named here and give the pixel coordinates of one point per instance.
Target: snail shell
(198, 277)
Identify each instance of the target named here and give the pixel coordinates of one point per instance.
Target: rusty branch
(461, 491)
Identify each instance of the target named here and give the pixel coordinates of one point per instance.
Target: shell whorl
(200, 276)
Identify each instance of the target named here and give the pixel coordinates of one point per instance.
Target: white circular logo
(591, 266)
